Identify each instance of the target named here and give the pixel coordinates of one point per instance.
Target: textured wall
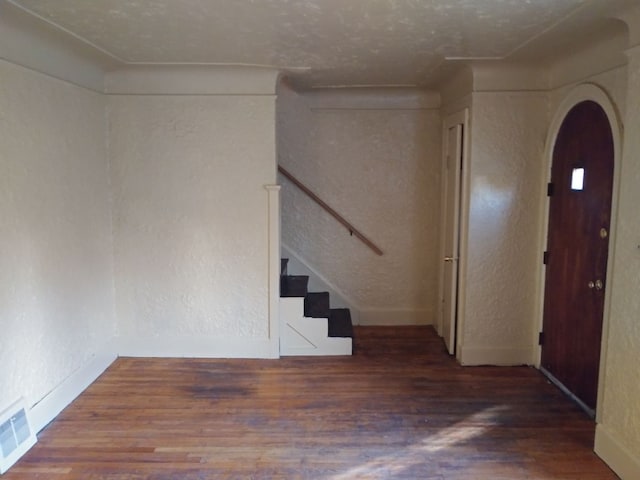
(56, 293)
(507, 141)
(621, 407)
(614, 82)
(619, 411)
(601, 61)
(190, 213)
(379, 166)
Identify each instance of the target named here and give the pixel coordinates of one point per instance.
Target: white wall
(506, 144)
(618, 433)
(56, 284)
(190, 222)
(601, 63)
(375, 158)
(499, 257)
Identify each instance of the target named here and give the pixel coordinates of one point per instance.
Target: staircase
(308, 325)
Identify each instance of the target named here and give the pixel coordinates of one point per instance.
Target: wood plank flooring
(400, 408)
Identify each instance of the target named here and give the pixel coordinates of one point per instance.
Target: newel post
(273, 205)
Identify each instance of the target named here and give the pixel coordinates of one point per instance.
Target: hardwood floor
(399, 408)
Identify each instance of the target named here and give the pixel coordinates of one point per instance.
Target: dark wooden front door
(578, 243)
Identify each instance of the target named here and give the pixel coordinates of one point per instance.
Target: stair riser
(316, 305)
(293, 286)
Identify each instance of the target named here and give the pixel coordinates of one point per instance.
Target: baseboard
(60, 397)
(196, 347)
(470, 356)
(48, 408)
(619, 459)
(383, 317)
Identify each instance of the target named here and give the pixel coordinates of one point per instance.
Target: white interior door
(451, 235)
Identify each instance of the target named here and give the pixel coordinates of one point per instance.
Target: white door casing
(452, 169)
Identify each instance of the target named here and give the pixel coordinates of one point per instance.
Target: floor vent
(16, 435)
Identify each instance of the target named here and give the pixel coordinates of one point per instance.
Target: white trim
(505, 77)
(395, 317)
(47, 409)
(458, 118)
(463, 247)
(383, 98)
(274, 267)
(179, 79)
(622, 461)
(26, 41)
(462, 117)
(470, 356)
(583, 92)
(195, 347)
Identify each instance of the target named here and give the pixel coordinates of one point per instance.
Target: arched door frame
(583, 92)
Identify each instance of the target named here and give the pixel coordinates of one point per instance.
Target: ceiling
(329, 42)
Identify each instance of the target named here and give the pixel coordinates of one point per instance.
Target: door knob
(591, 284)
(449, 259)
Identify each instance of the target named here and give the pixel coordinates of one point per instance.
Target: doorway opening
(453, 188)
(581, 190)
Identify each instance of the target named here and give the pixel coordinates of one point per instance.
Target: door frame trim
(580, 93)
(461, 117)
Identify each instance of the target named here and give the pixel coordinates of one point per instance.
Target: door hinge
(545, 258)
(540, 338)
(550, 189)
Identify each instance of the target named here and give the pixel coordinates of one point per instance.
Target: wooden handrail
(352, 230)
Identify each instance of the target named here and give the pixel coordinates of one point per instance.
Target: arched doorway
(576, 257)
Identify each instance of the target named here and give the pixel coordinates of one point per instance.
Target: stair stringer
(300, 335)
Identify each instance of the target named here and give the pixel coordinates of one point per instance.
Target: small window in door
(577, 179)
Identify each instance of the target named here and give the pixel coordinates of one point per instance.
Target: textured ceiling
(322, 42)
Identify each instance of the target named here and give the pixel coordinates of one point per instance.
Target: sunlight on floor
(464, 430)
